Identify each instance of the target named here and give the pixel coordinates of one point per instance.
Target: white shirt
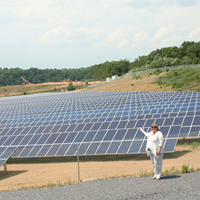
(154, 141)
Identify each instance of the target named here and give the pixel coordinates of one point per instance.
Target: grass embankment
(180, 79)
(38, 88)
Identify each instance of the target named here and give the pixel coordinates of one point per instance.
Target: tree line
(34, 75)
(187, 53)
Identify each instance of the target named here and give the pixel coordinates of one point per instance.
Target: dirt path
(31, 175)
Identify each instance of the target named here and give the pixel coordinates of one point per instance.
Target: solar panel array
(99, 122)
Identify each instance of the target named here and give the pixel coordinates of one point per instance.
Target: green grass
(185, 168)
(181, 79)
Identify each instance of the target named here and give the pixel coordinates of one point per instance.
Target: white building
(108, 79)
(114, 77)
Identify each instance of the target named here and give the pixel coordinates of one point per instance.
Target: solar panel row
(100, 122)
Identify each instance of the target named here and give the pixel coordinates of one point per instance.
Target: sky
(81, 33)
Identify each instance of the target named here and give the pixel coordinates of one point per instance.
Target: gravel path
(182, 186)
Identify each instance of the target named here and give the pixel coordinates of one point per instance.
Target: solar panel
(100, 122)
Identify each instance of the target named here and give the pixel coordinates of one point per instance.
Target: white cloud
(56, 36)
(141, 36)
(114, 35)
(195, 33)
(95, 30)
(161, 32)
(122, 43)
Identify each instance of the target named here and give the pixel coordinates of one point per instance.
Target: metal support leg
(5, 168)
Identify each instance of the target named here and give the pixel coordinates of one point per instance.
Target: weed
(49, 184)
(24, 92)
(22, 186)
(136, 77)
(185, 168)
(194, 145)
(69, 182)
(132, 84)
(59, 183)
(192, 169)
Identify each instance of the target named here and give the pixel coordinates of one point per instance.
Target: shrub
(55, 89)
(132, 84)
(167, 70)
(24, 93)
(157, 71)
(185, 168)
(70, 87)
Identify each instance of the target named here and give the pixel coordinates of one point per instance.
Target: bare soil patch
(42, 175)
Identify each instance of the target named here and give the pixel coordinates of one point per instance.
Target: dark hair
(155, 125)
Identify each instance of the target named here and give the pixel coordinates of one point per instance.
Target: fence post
(78, 163)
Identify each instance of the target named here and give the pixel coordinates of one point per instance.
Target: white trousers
(157, 164)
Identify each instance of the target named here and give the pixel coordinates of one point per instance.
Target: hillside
(178, 80)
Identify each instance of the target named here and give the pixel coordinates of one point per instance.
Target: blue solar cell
(11, 131)
(92, 148)
(99, 136)
(96, 126)
(139, 135)
(187, 121)
(135, 146)
(143, 147)
(113, 125)
(62, 150)
(25, 151)
(110, 134)
(124, 147)
(80, 137)
(43, 139)
(79, 127)
(70, 137)
(72, 150)
(7, 153)
(194, 131)
(34, 139)
(149, 122)
(178, 121)
(184, 132)
(174, 131)
(34, 151)
(88, 126)
(52, 138)
(48, 129)
(113, 148)
(18, 131)
(83, 148)
(103, 148)
(196, 120)
(44, 151)
(71, 127)
(120, 134)
(170, 145)
(2, 140)
(26, 139)
(168, 121)
(17, 151)
(122, 124)
(131, 124)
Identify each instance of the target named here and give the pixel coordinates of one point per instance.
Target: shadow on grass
(95, 158)
(8, 174)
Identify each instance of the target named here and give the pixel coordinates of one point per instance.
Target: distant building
(108, 79)
(114, 77)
